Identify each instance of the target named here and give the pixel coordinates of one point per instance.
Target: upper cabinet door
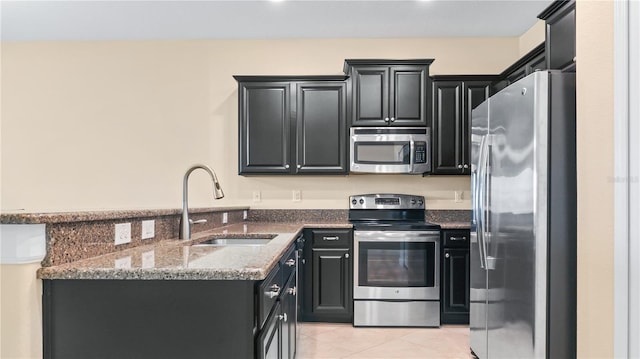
(265, 112)
(447, 127)
(475, 93)
(370, 96)
(408, 96)
(321, 122)
(389, 92)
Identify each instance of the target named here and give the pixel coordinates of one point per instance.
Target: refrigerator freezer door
(478, 279)
(515, 229)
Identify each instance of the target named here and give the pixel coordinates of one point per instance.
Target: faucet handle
(197, 221)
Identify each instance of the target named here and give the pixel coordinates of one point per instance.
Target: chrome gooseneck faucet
(185, 221)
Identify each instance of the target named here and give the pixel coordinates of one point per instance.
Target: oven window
(396, 264)
(382, 152)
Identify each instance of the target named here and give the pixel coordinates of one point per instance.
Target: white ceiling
(138, 20)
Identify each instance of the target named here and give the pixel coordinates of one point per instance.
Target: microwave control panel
(420, 152)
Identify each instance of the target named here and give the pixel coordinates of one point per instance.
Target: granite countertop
(180, 260)
(454, 225)
(61, 217)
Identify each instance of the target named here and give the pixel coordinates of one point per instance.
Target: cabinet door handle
(273, 292)
(292, 291)
(466, 166)
(333, 238)
(346, 255)
(393, 119)
(446, 255)
(299, 166)
(457, 238)
(290, 262)
(460, 166)
(386, 119)
(283, 317)
(286, 166)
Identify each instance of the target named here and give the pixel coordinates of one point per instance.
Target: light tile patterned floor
(332, 341)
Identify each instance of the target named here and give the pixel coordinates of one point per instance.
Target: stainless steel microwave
(390, 150)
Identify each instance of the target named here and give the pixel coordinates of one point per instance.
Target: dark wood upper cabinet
(389, 92)
(265, 139)
(292, 125)
(560, 20)
(321, 121)
(454, 97)
(534, 60)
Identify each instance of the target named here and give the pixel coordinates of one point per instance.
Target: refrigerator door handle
(481, 194)
(489, 261)
(475, 211)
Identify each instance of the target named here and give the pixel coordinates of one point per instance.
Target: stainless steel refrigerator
(523, 235)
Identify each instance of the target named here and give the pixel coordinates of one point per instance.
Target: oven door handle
(377, 237)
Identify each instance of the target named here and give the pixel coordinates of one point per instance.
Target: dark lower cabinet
(269, 339)
(158, 319)
(328, 276)
(455, 267)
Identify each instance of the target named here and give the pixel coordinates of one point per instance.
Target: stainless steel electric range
(396, 262)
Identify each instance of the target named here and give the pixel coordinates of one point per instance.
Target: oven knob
(354, 202)
(420, 202)
(361, 201)
(413, 201)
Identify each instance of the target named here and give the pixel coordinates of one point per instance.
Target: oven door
(400, 265)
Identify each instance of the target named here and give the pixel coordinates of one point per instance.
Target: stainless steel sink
(234, 242)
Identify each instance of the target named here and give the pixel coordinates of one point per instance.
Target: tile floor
(332, 341)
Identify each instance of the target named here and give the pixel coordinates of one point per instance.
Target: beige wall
(21, 312)
(532, 38)
(114, 125)
(594, 26)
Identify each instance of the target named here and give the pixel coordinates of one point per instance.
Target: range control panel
(386, 201)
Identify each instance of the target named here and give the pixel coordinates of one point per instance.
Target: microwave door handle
(412, 147)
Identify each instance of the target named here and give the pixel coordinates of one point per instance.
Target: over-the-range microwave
(390, 150)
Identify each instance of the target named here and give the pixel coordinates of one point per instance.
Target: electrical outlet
(256, 196)
(124, 262)
(225, 218)
(458, 196)
(148, 259)
(245, 214)
(148, 229)
(296, 195)
(123, 233)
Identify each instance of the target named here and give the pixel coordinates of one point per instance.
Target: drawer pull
(446, 255)
(333, 238)
(290, 262)
(273, 292)
(457, 238)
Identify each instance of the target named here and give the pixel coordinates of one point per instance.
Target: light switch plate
(148, 229)
(245, 214)
(225, 218)
(458, 196)
(296, 195)
(256, 196)
(123, 233)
